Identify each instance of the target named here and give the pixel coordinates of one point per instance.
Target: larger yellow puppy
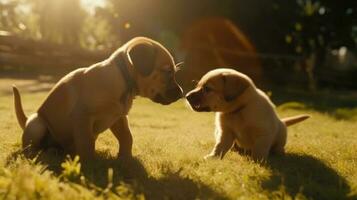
(90, 100)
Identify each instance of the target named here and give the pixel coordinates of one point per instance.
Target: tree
(59, 21)
(313, 27)
(15, 18)
(318, 24)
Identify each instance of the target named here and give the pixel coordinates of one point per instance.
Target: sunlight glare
(90, 5)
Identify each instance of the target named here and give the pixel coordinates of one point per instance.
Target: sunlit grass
(169, 143)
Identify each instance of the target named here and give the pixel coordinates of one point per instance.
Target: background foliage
(314, 33)
(301, 24)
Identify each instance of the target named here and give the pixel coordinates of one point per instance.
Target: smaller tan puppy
(245, 115)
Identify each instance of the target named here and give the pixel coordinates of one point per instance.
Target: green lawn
(169, 145)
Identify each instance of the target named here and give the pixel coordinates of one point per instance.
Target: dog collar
(129, 81)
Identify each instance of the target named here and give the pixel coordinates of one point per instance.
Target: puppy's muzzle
(171, 95)
(194, 98)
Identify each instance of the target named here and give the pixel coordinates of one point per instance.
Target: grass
(169, 145)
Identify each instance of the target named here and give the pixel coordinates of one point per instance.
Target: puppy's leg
(278, 147)
(238, 149)
(224, 141)
(261, 148)
(34, 132)
(84, 139)
(122, 132)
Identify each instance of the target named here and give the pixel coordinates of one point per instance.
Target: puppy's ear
(233, 86)
(143, 57)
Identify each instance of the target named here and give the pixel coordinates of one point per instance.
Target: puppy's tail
(288, 121)
(21, 117)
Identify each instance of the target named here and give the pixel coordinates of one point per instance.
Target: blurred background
(309, 45)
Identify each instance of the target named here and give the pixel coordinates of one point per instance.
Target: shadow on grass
(170, 185)
(306, 175)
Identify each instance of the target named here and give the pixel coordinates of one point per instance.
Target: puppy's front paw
(211, 156)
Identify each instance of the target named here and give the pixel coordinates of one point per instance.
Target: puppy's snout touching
(193, 98)
(174, 93)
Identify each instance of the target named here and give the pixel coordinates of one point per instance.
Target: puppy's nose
(193, 97)
(174, 93)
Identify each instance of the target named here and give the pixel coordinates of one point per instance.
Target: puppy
(91, 100)
(245, 115)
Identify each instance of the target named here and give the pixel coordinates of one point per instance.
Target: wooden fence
(19, 52)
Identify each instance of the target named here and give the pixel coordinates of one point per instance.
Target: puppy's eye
(206, 89)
